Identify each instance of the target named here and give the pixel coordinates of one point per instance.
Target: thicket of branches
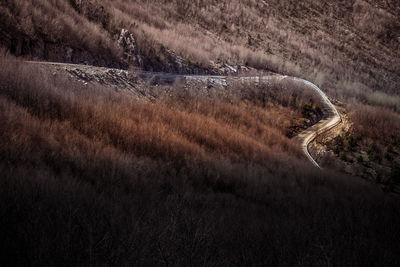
(90, 176)
(332, 44)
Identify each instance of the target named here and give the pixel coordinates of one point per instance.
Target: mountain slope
(333, 44)
(184, 175)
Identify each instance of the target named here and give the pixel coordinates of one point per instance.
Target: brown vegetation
(92, 177)
(375, 131)
(332, 44)
(53, 30)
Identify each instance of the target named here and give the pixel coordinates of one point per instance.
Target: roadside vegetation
(332, 44)
(371, 146)
(90, 177)
(187, 175)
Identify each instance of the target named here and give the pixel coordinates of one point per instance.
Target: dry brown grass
(332, 44)
(93, 177)
(47, 29)
(318, 38)
(378, 124)
(211, 129)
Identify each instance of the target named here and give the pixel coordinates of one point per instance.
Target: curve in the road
(331, 116)
(330, 119)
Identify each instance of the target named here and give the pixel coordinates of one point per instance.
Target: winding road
(330, 119)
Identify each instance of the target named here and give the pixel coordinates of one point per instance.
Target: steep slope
(92, 175)
(334, 44)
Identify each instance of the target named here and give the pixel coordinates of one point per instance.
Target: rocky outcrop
(130, 50)
(226, 69)
(165, 60)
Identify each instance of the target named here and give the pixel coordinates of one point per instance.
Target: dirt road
(331, 116)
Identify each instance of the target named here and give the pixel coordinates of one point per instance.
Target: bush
(94, 177)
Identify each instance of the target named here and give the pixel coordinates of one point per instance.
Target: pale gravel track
(331, 116)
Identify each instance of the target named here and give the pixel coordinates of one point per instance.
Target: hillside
(351, 49)
(95, 174)
(334, 44)
(112, 157)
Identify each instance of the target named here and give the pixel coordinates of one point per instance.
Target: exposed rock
(176, 62)
(131, 53)
(226, 69)
(168, 60)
